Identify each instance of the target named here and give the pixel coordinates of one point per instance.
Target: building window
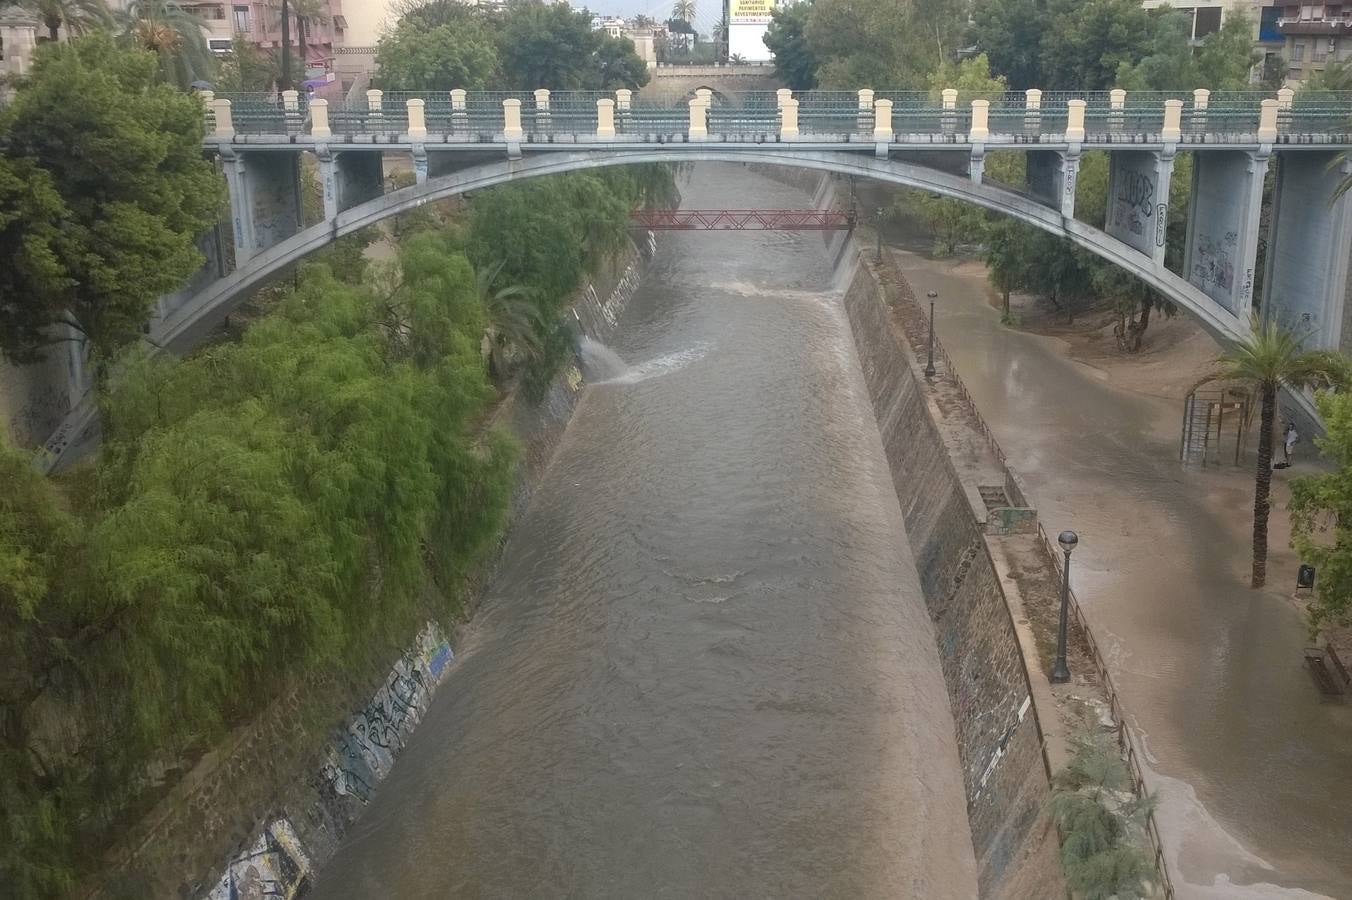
(1298, 51)
(1208, 21)
(242, 19)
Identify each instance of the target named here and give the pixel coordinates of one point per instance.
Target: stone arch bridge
(459, 142)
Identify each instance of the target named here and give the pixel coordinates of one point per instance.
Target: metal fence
(821, 113)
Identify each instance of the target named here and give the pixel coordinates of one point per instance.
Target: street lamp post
(929, 364)
(1060, 671)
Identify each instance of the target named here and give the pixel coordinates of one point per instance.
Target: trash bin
(1305, 577)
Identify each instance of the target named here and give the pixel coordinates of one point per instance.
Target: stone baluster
(624, 101)
(864, 121)
(981, 117)
(225, 126)
(375, 100)
(459, 109)
(788, 127)
(542, 112)
(511, 119)
(605, 119)
(882, 121)
(417, 119)
(319, 119)
(949, 119)
(1201, 99)
(1075, 121)
(1032, 110)
(1267, 121)
(1173, 121)
(1117, 106)
(699, 128)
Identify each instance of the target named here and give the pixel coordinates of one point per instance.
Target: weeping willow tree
(174, 35)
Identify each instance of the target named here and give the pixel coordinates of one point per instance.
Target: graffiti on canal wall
(361, 754)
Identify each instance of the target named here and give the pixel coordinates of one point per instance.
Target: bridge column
(605, 119)
(865, 119)
(1138, 199)
(349, 178)
(1075, 121)
(949, 117)
(319, 119)
(1052, 176)
(264, 189)
(1306, 277)
(1224, 213)
(699, 128)
(882, 127)
(1267, 121)
(375, 102)
(788, 126)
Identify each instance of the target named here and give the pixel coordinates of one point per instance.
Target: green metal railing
(825, 115)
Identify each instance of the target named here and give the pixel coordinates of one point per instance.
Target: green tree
(786, 37)
(76, 16)
(35, 285)
(1270, 359)
(247, 69)
(174, 35)
(40, 623)
(1008, 260)
(1085, 43)
(414, 57)
(549, 45)
(1010, 32)
(971, 78)
(1102, 836)
(124, 152)
(1321, 516)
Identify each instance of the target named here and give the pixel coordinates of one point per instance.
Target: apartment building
(1315, 34)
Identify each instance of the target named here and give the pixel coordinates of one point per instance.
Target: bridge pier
(1138, 199)
(1052, 175)
(353, 177)
(1306, 279)
(265, 200)
(1224, 216)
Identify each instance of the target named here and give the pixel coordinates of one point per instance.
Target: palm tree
(78, 16)
(173, 34)
(307, 14)
(1269, 359)
(513, 319)
(684, 10)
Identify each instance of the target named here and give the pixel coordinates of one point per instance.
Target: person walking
(1290, 437)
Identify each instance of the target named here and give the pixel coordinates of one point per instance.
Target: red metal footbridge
(743, 219)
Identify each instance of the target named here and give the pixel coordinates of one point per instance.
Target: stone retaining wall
(999, 741)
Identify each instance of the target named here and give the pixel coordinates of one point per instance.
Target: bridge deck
(835, 117)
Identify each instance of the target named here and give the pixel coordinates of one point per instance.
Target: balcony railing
(1328, 25)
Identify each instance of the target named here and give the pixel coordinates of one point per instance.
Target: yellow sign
(749, 12)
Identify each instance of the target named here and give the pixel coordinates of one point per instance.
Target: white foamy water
(604, 366)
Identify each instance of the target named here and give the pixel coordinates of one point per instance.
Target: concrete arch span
(182, 328)
(188, 324)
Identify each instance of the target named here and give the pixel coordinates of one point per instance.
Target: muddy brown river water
(706, 668)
